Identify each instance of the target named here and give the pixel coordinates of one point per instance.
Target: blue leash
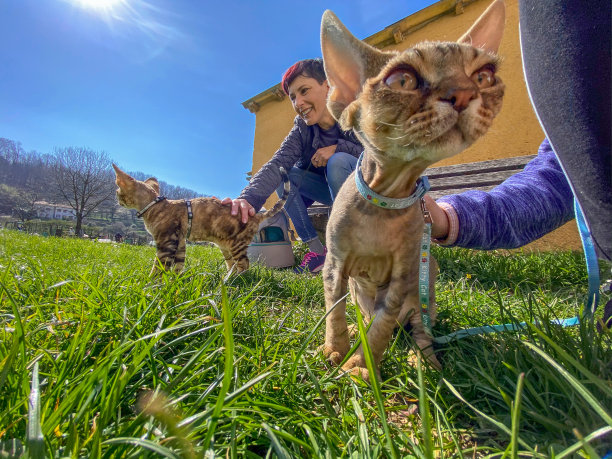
(460, 334)
(591, 260)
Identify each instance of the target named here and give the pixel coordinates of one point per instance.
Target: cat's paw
(430, 359)
(332, 353)
(356, 361)
(356, 367)
(359, 373)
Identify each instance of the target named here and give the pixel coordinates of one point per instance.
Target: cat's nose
(459, 98)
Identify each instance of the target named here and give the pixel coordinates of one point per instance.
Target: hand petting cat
(240, 205)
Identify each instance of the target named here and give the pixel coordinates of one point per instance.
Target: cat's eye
(402, 79)
(484, 77)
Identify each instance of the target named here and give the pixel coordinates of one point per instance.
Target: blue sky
(158, 84)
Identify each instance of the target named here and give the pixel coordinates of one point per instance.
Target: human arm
(523, 208)
(265, 181)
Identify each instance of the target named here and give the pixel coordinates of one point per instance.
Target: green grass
(96, 360)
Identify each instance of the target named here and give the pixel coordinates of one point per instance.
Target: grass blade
(228, 339)
(583, 391)
(144, 443)
(496, 423)
(424, 410)
(516, 415)
(35, 440)
(367, 352)
(278, 449)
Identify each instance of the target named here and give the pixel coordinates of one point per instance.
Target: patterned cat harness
(422, 186)
(162, 198)
(140, 213)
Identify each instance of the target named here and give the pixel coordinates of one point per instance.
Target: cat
(168, 222)
(409, 109)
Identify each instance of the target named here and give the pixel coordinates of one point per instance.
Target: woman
(317, 153)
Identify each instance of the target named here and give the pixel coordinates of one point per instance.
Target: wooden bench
(481, 175)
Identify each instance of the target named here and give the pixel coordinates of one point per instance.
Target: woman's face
(309, 101)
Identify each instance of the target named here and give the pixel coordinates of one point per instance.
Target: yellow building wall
(515, 131)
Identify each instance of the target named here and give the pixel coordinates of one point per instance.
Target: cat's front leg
(227, 256)
(337, 342)
(240, 260)
(381, 329)
(167, 247)
(179, 258)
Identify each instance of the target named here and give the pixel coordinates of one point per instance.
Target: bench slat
(469, 180)
(516, 163)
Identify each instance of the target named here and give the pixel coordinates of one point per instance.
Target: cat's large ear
(348, 62)
(487, 31)
(152, 182)
(122, 179)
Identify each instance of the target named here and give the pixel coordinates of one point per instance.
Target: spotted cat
(170, 224)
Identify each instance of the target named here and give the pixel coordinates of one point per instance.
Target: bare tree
(84, 180)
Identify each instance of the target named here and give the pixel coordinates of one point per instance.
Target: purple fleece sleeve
(523, 208)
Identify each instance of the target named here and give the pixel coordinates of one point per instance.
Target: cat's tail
(277, 207)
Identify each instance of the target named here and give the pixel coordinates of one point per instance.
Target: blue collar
(422, 186)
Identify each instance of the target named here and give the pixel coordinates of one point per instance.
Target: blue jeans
(308, 187)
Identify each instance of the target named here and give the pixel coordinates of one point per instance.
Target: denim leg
(306, 187)
(339, 167)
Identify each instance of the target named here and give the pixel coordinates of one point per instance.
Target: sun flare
(99, 4)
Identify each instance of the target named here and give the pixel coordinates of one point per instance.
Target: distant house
(49, 211)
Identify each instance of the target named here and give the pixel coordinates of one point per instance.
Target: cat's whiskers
(400, 137)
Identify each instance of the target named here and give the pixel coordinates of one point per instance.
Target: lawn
(97, 360)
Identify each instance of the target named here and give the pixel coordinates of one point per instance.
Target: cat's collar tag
(148, 206)
(422, 186)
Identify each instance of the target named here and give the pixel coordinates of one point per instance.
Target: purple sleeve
(268, 178)
(523, 208)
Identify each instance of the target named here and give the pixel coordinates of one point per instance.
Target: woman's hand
(322, 155)
(242, 205)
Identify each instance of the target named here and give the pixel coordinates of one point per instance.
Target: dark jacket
(296, 150)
